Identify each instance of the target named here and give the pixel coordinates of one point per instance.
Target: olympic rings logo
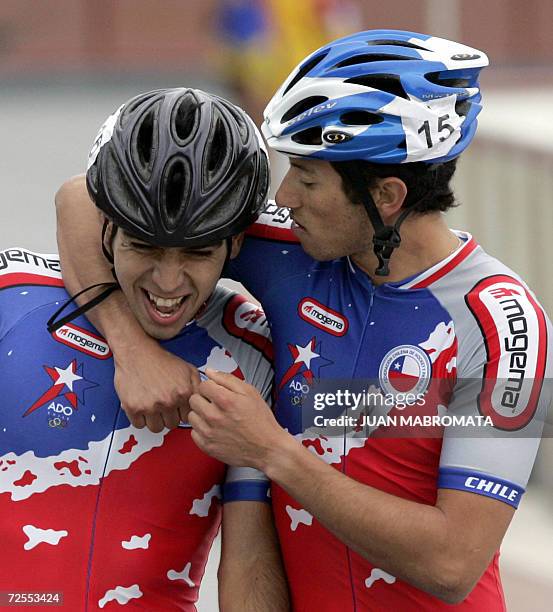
(57, 423)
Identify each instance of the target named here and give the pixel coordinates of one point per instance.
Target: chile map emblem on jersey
(405, 369)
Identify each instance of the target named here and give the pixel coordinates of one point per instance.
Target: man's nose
(169, 274)
(286, 196)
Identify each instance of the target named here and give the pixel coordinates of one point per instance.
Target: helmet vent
(462, 107)
(389, 83)
(218, 148)
(175, 188)
(302, 106)
(434, 77)
(218, 151)
(145, 144)
(133, 105)
(360, 118)
(377, 57)
(225, 209)
(185, 118)
(122, 198)
(240, 124)
(308, 66)
(310, 136)
(395, 43)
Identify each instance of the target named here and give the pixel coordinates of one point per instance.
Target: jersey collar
(439, 270)
(429, 276)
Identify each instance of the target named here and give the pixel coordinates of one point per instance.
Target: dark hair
(428, 185)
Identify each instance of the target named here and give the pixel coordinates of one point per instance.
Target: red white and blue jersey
(466, 335)
(91, 506)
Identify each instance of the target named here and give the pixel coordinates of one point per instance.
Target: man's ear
(389, 195)
(237, 242)
(108, 236)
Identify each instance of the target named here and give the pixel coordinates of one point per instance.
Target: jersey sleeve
(246, 321)
(504, 380)
(27, 280)
(246, 484)
(270, 254)
(241, 327)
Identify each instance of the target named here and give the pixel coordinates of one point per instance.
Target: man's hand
(231, 422)
(154, 386)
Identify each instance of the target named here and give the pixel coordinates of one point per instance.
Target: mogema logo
(83, 340)
(323, 317)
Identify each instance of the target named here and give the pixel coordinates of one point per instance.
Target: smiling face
(165, 287)
(326, 222)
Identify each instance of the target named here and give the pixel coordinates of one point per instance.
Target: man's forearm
(251, 575)
(79, 230)
(406, 539)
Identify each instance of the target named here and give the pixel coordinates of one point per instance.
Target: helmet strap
(385, 241)
(386, 238)
(52, 325)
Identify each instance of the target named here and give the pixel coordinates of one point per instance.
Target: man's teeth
(167, 303)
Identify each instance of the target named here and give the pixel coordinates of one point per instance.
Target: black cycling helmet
(179, 168)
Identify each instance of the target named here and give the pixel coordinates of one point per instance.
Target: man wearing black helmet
(378, 310)
(102, 513)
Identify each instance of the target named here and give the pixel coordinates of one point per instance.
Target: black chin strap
(386, 238)
(54, 325)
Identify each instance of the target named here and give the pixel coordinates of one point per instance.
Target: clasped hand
(232, 422)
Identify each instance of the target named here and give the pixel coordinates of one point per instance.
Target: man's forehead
(129, 236)
(305, 165)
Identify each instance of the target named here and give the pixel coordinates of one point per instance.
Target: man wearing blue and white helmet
(379, 99)
(409, 388)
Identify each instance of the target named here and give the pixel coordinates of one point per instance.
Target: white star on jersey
(305, 355)
(67, 376)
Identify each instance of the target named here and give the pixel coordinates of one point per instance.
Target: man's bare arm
(153, 385)
(251, 575)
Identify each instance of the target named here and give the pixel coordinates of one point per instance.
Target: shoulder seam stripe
(17, 279)
(465, 251)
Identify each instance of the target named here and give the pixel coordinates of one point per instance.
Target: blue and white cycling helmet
(384, 96)
(380, 96)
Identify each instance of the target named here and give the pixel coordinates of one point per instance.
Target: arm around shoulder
(153, 385)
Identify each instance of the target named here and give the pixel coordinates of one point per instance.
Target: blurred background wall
(66, 64)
